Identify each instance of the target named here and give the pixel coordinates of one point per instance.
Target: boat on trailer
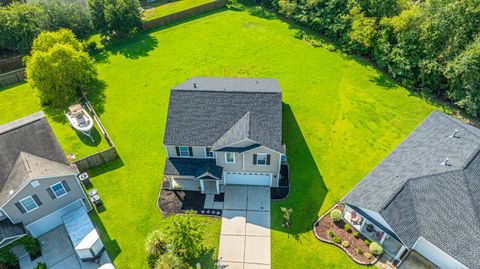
(80, 120)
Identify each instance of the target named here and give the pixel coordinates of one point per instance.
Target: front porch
(373, 232)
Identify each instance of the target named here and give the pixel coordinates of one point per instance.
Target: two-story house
(37, 183)
(224, 131)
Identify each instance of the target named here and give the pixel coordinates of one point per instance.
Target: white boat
(80, 120)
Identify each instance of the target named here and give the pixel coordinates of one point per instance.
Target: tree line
(432, 46)
(21, 22)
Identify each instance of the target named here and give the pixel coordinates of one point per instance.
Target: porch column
(383, 238)
(363, 223)
(400, 252)
(218, 185)
(202, 186)
(170, 182)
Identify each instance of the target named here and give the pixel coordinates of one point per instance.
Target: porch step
(209, 200)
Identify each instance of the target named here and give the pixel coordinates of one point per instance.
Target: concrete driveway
(245, 235)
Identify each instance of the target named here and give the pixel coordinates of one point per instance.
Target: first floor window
(184, 152)
(229, 157)
(29, 204)
(261, 159)
(58, 189)
(208, 152)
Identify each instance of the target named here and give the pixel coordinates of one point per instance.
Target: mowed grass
(341, 117)
(162, 8)
(20, 100)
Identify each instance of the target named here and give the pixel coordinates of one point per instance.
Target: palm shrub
(375, 248)
(156, 243)
(170, 261)
(336, 215)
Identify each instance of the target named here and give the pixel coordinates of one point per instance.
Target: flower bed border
(376, 258)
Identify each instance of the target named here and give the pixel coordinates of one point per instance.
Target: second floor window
(184, 152)
(229, 157)
(208, 152)
(58, 189)
(29, 204)
(261, 159)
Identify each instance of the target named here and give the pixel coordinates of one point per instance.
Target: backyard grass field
(341, 117)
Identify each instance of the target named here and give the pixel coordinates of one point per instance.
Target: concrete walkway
(245, 235)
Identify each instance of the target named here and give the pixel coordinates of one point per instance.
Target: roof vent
(445, 163)
(455, 134)
(195, 85)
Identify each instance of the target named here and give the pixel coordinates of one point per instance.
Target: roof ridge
(455, 120)
(470, 197)
(7, 127)
(246, 117)
(471, 158)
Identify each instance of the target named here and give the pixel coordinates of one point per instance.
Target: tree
(185, 233)
(20, 24)
(47, 40)
(363, 28)
(463, 74)
(114, 17)
(64, 14)
(61, 72)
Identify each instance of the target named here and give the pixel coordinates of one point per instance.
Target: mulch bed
(325, 223)
(281, 192)
(173, 202)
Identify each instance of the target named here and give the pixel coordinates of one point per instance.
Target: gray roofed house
(37, 183)
(426, 192)
(230, 128)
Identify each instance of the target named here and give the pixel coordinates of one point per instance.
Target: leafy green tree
(363, 28)
(185, 233)
(113, 17)
(59, 73)
(19, 25)
(463, 74)
(64, 14)
(47, 40)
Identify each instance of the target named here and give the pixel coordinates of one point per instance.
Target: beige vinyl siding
(49, 205)
(198, 152)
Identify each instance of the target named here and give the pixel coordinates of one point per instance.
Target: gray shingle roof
(222, 111)
(419, 196)
(192, 167)
(420, 154)
(42, 154)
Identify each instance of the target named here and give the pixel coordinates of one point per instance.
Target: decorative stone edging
(339, 245)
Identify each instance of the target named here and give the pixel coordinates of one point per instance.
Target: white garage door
(53, 220)
(259, 179)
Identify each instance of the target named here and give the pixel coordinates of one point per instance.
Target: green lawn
(20, 100)
(341, 117)
(161, 8)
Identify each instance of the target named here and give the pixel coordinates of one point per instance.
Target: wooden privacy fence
(187, 13)
(12, 77)
(13, 63)
(101, 157)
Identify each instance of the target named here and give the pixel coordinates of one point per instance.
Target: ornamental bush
(355, 234)
(331, 233)
(345, 244)
(348, 228)
(368, 255)
(336, 239)
(367, 242)
(375, 248)
(336, 215)
(359, 251)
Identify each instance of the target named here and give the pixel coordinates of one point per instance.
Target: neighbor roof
(221, 111)
(29, 149)
(192, 167)
(418, 195)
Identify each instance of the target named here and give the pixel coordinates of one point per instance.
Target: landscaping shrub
(41, 266)
(368, 255)
(375, 248)
(359, 251)
(355, 234)
(345, 244)
(331, 233)
(169, 261)
(185, 234)
(31, 244)
(156, 243)
(367, 242)
(7, 257)
(348, 228)
(336, 239)
(336, 215)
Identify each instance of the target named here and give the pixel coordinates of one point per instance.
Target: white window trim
(180, 151)
(263, 154)
(213, 155)
(226, 159)
(63, 187)
(33, 200)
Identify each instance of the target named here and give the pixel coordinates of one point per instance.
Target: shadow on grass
(8, 87)
(106, 167)
(113, 249)
(308, 190)
(207, 260)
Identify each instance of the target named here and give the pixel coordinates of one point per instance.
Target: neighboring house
(424, 198)
(37, 183)
(224, 131)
